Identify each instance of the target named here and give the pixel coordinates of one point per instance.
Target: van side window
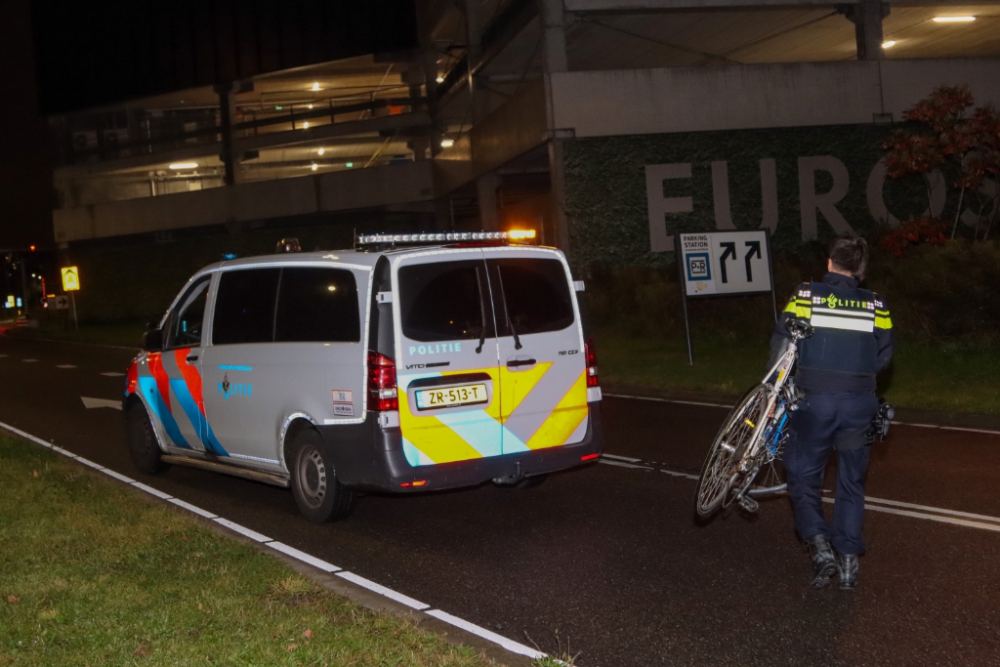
(317, 305)
(186, 323)
(445, 301)
(536, 295)
(244, 308)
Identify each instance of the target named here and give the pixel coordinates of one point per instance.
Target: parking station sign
(70, 278)
(725, 263)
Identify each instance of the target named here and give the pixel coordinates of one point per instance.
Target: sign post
(71, 284)
(723, 264)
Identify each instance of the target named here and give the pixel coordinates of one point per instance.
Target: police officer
(852, 341)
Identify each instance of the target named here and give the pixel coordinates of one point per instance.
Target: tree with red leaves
(945, 135)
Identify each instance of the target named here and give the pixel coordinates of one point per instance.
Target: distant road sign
(70, 278)
(725, 263)
(60, 302)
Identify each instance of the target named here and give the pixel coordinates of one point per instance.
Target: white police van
(413, 362)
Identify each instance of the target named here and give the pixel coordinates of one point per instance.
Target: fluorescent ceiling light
(321, 151)
(315, 86)
(954, 19)
(889, 44)
(314, 166)
(310, 106)
(305, 125)
(184, 165)
(440, 79)
(447, 143)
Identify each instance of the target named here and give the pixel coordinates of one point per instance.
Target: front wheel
(721, 467)
(318, 494)
(142, 445)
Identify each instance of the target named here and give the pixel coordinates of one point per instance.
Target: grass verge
(952, 378)
(95, 574)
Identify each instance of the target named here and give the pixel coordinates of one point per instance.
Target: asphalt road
(607, 561)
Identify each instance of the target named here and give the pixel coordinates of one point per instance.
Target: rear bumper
(370, 458)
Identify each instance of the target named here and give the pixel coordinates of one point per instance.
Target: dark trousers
(825, 423)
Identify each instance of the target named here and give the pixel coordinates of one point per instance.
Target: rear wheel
(142, 444)
(721, 468)
(318, 494)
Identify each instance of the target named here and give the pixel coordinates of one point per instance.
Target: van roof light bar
(437, 238)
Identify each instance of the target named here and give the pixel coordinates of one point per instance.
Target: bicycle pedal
(749, 504)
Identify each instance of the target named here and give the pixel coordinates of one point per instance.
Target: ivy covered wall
(607, 200)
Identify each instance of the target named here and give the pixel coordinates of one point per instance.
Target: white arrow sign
(91, 403)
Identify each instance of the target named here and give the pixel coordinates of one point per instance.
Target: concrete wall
(338, 191)
(650, 101)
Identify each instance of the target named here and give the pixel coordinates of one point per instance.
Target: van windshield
(535, 293)
(445, 301)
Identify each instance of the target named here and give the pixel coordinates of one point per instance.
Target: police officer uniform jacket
(852, 339)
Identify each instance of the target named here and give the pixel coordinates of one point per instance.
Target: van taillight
(381, 383)
(588, 350)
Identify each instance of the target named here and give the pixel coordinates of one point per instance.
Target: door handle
(516, 363)
(192, 357)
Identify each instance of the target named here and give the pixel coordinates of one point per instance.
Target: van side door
(541, 350)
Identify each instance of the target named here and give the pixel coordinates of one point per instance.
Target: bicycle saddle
(799, 328)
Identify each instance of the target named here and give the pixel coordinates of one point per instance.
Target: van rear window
(445, 301)
(535, 293)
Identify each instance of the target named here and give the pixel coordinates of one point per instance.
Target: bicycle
(752, 438)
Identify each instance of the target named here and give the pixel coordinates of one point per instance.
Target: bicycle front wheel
(721, 467)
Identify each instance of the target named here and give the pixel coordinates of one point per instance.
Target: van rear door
(447, 359)
(541, 350)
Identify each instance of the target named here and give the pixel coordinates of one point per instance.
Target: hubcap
(310, 475)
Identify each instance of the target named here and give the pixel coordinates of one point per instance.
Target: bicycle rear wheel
(721, 467)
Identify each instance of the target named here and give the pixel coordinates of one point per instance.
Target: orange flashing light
(521, 234)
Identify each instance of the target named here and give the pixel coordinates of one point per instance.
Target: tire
(318, 493)
(720, 470)
(142, 444)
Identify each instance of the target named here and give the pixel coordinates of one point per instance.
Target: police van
(413, 362)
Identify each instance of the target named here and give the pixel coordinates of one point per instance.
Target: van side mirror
(152, 341)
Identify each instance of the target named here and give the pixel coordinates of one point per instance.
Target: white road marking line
(668, 400)
(929, 517)
(242, 530)
(65, 366)
(383, 591)
(508, 644)
(151, 491)
(192, 508)
(304, 557)
(113, 374)
(620, 458)
(117, 475)
(623, 465)
(29, 361)
(26, 436)
(680, 474)
(91, 403)
(483, 633)
(935, 510)
(720, 405)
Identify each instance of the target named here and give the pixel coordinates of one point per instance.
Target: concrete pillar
(474, 24)
(486, 189)
(867, 18)
(554, 60)
(227, 110)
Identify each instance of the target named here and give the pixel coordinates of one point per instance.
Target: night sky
(26, 191)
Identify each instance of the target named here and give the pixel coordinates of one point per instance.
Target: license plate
(428, 399)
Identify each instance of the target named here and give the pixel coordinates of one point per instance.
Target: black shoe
(847, 571)
(824, 562)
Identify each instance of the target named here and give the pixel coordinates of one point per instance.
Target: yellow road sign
(70, 278)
